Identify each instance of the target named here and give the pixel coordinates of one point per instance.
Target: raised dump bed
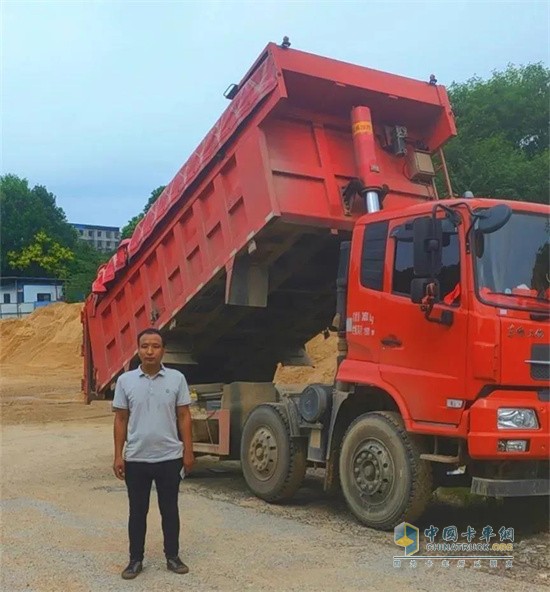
(236, 262)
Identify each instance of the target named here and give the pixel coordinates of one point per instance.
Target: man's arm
(186, 431)
(120, 433)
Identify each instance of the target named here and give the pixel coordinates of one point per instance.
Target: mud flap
(510, 487)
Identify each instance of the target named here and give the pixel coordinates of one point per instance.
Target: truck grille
(540, 362)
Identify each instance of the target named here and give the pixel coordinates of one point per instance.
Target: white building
(21, 296)
(102, 238)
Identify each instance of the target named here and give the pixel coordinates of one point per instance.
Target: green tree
(502, 145)
(37, 240)
(83, 271)
(24, 213)
(128, 230)
(44, 254)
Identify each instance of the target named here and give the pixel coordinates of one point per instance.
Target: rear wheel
(383, 479)
(273, 463)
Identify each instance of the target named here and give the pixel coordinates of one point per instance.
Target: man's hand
(188, 460)
(120, 434)
(118, 468)
(185, 428)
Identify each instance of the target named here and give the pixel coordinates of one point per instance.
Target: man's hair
(151, 331)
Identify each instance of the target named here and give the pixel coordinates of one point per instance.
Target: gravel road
(64, 529)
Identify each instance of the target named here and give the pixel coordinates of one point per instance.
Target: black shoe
(176, 565)
(132, 570)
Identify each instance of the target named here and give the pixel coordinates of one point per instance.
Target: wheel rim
(263, 453)
(373, 471)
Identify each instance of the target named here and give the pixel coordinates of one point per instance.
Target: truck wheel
(383, 479)
(273, 464)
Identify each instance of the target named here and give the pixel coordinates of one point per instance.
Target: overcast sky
(104, 101)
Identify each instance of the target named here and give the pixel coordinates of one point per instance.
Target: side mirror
(493, 219)
(422, 288)
(427, 246)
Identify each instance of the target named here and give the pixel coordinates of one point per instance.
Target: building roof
(95, 227)
(31, 281)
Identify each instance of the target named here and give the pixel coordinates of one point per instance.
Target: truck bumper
(487, 441)
(510, 487)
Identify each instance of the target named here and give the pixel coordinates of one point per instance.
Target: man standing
(151, 404)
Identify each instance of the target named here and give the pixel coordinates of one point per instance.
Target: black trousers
(139, 477)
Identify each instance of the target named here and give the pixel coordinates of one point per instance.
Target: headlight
(517, 419)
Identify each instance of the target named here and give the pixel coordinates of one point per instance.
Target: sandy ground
(63, 513)
(64, 528)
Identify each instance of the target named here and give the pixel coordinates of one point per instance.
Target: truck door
(425, 361)
(366, 293)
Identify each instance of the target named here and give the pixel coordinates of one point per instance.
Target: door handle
(391, 341)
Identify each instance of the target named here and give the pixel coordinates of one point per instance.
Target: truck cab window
(373, 255)
(449, 277)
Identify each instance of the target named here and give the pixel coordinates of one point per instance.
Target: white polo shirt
(152, 425)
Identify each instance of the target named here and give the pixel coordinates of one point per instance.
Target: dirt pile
(322, 353)
(48, 339)
(41, 367)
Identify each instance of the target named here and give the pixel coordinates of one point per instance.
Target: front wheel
(383, 479)
(273, 463)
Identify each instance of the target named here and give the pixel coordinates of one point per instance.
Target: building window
(81, 232)
(99, 233)
(7, 298)
(41, 297)
(108, 234)
(90, 233)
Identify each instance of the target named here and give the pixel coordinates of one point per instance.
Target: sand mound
(41, 367)
(50, 339)
(323, 354)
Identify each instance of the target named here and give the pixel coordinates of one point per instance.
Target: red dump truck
(310, 207)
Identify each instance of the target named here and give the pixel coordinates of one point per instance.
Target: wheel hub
(373, 470)
(263, 453)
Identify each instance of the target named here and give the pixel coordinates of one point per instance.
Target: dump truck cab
(456, 338)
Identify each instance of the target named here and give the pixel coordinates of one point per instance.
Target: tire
(273, 463)
(383, 479)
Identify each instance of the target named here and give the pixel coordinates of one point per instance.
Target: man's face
(151, 349)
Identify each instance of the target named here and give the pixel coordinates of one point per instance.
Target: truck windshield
(512, 264)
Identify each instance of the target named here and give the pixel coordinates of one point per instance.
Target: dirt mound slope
(322, 353)
(51, 338)
(48, 339)
(41, 366)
